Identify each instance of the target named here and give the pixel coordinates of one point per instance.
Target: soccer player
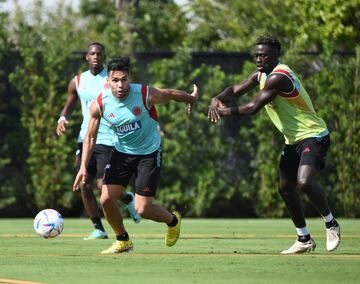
(130, 110)
(306, 136)
(87, 86)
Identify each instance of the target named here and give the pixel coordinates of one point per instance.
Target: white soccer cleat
(300, 247)
(332, 238)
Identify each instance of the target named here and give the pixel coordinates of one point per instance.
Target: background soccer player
(129, 108)
(306, 136)
(86, 87)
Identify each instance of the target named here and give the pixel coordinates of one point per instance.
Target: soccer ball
(48, 223)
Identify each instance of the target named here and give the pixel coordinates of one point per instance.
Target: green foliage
(133, 28)
(229, 169)
(154, 32)
(12, 169)
(201, 172)
(337, 87)
(302, 26)
(42, 78)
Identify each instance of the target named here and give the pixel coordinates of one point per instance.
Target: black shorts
(98, 160)
(310, 151)
(145, 168)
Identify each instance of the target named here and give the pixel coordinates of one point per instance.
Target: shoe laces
(332, 234)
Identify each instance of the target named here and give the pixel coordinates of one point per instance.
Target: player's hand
(194, 94)
(80, 179)
(60, 129)
(213, 113)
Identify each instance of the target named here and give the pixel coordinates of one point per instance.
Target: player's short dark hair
(271, 41)
(98, 44)
(121, 63)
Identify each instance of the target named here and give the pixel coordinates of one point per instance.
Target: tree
(41, 78)
(12, 155)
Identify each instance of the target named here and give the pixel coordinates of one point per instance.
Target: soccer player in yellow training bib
(306, 136)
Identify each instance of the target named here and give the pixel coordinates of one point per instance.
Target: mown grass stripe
(210, 254)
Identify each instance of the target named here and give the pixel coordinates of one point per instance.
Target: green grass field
(208, 251)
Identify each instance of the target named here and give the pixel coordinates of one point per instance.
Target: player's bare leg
(308, 184)
(108, 199)
(145, 207)
(304, 242)
(92, 210)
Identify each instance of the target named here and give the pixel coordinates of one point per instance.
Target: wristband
(234, 111)
(61, 119)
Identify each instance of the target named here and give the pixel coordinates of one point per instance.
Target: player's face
(95, 56)
(119, 82)
(266, 58)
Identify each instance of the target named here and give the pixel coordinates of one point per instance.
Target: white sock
(328, 217)
(302, 231)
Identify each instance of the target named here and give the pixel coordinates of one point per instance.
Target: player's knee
(105, 199)
(142, 209)
(86, 190)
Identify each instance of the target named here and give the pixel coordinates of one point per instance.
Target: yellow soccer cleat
(119, 247)
(173, 233)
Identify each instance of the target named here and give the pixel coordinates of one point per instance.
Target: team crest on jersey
(136, 110)
(131, 127)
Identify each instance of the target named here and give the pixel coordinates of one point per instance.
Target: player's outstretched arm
(88, 144)
(159, 96)
(68, 108)
(273, 86)
(229, 92)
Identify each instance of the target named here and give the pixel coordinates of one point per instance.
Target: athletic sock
(332, 223)
(173, 222)
(304, 239)
(329, 217)
(123, 237)
(302, 231)
(97, 223)
(126, 198)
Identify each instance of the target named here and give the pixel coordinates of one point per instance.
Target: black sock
(123, 237)
(303, 239)
(173, 222)
(332, 223)
(126, 198)
(97, 223)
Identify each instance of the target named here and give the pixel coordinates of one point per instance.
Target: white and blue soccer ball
(48, 223)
